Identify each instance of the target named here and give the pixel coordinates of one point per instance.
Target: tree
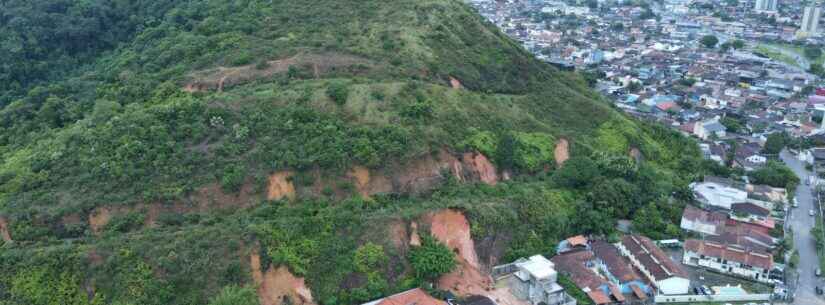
(775, 174)
(709, 41)
(775, 143)
(634, 86)
(338, 92)
(813, 52)
(577, 172)
(732, 124)
(738, 44)
(234, 295)
(431, 259)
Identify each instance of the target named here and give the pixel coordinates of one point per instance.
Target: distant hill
(168, 152)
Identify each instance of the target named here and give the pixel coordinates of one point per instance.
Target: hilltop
(186, 149)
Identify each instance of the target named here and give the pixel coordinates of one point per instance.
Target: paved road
(801, 223)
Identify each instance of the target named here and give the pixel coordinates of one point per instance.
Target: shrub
(338, 92)
(431, 259)
(234, 295)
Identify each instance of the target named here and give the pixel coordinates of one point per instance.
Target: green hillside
(138, 143)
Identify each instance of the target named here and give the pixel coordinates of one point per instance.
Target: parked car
(818, 290)
(811, 212)
(706, 290)
(818, 272)
(795, 203)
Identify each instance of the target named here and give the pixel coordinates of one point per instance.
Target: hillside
(188, 152)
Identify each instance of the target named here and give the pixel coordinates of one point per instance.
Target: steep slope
(301, 133)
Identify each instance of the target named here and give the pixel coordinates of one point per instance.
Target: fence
(712, 298)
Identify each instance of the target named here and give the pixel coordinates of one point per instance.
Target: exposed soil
(4, 230)
(280, 186)
(222, 77)
(208, 198)
(277, 286)
(452, 228)
(455, 83)
(415, 239)
(562, 152)
(426, 173)
(99, 218)
(398, 235)
(477, 167)
(636, 154)
(368, 183)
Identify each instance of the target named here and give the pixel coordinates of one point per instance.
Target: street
(801, 223)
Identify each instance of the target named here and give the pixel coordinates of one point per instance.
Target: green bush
(431, 259)
(234, 295)
(338, 92)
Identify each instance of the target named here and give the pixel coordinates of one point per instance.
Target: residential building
(668, 277)
(765, 6)
(415, 296)
(752, 213)
(717, 194)
(701, 221)
(535, 280)
(710, 128)
(810, 20)
(729, 259)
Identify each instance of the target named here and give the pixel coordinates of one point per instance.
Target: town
(744, 78)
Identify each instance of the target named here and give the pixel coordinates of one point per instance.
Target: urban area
(742, 77)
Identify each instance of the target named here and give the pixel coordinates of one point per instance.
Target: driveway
(801, 223)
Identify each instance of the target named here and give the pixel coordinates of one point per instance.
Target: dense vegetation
(94, 115)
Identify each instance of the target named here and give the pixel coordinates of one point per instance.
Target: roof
(577, 240)
(714, 127)
(652, 258)
(478, 300)
(750, 208)
(638, 292)
(616, 293)
(598, 297)
(618, 265)
(574, 263)
(734, 253)
(538, 266)
(694, 214)
(410, 297)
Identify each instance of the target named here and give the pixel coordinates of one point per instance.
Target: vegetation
(776, 174)
(709, 41)
(167, 119)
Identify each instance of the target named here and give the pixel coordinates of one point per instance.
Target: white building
(654, 264)
(535, 279)
(810, 21)
(765, 6)
(707, 129)
(718, 195)
(730, 259)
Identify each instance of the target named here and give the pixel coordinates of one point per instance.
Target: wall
(711, 298)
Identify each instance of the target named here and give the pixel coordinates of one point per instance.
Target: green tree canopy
(431, 259)
(709, 41)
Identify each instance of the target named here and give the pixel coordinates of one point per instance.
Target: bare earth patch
(277, 286)
(219, 78)
(4, 230)
(562, 152)
(99, 218)
(280, 186)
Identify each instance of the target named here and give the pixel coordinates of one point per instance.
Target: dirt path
(4, 230)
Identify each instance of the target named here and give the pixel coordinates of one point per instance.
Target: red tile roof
(598, 297)
(577, 240)
(738, 254)
(411, 297)
(638, 292)
(652, 258)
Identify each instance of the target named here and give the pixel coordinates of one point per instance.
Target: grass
(778, 56)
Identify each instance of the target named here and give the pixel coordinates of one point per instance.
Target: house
(701, 221)
(535, 280)
(580, 266)
(709, 128)
(415, 296)
(718, 194)
(752, 213)
(665, 274)
(729, 259)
